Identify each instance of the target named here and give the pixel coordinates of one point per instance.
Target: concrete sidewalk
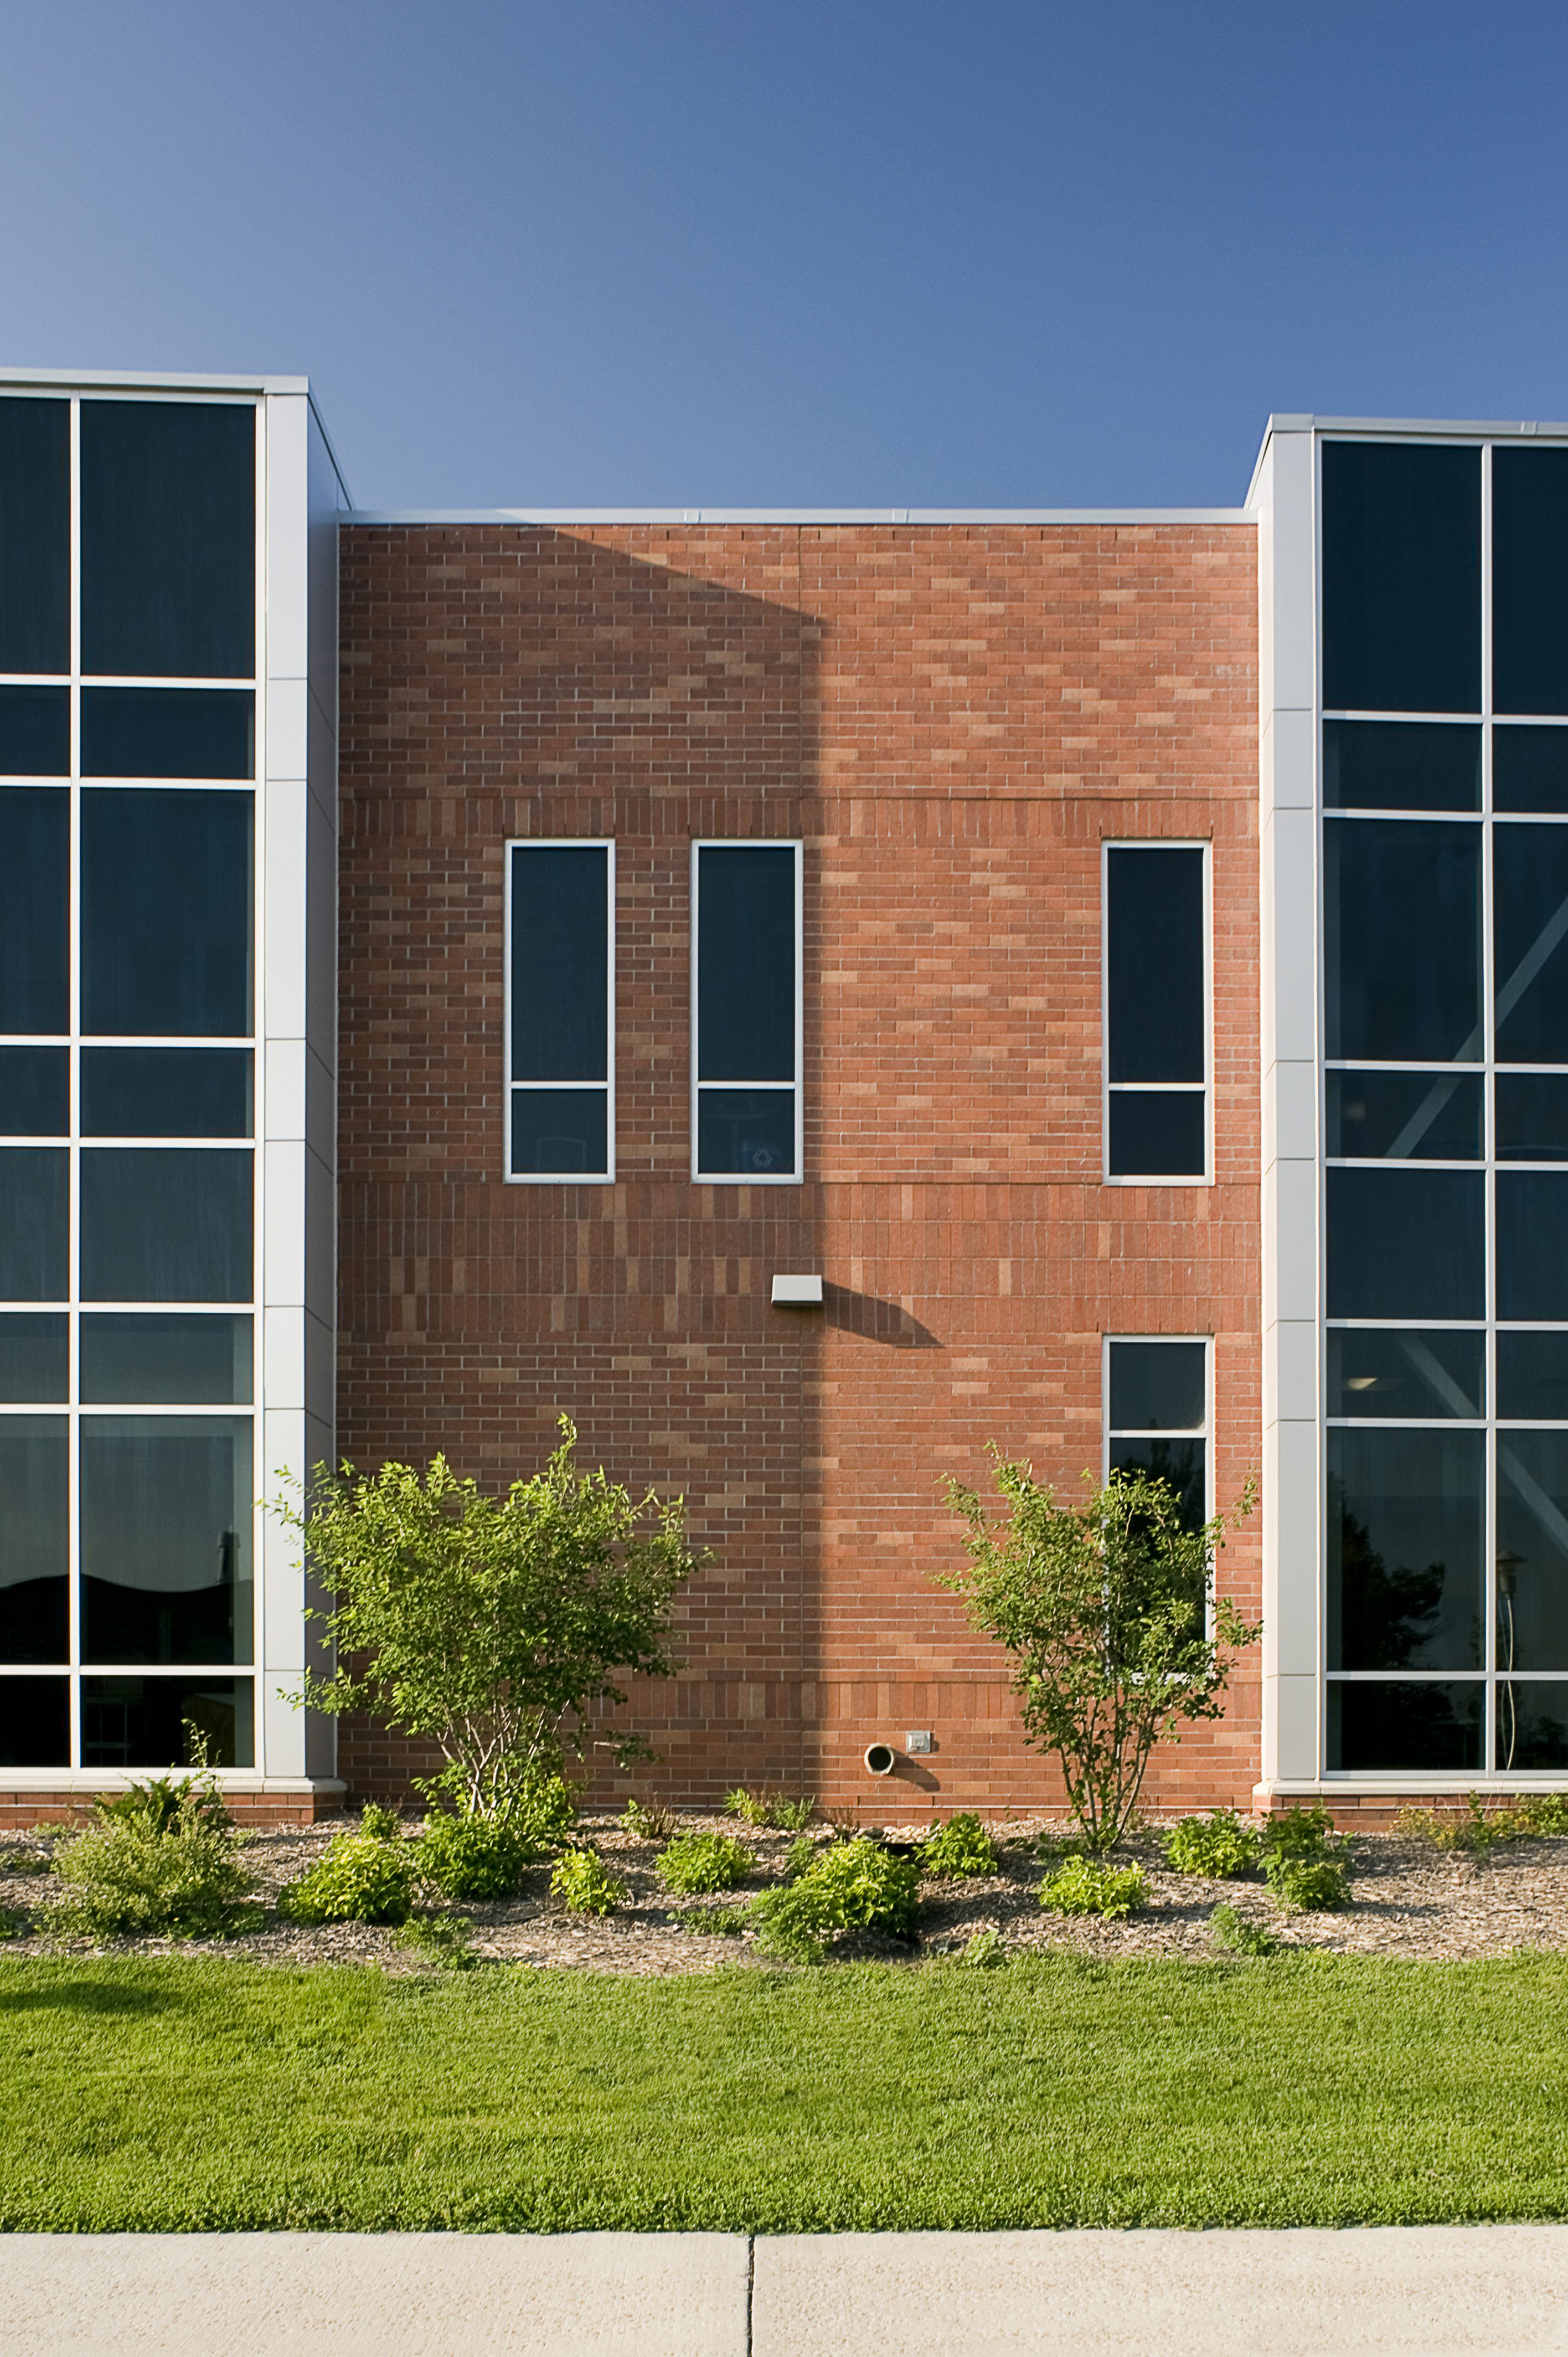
(1429, 2290)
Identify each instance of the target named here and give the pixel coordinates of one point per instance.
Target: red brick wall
(953, 718)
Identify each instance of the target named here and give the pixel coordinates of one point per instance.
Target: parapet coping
(568, 516)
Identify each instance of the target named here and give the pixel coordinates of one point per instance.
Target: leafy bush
(697, 1862)
(359, 1877)
(1545, 1814)
(12, 1923)
(160, 1858)
(1217, 1845)
(1315, 1884)
(474, 1857)
(583, 1884)
(1296, 1832)
(789, 1813)
(750, 1807)
(850, 1885)
(1240, 1935)
(646, 1824)
(962, 1847)
(983, 1953)
(728, 1921)
(800, 1854)
(1088, 1886)
(441, 1940)
(1481, 1828)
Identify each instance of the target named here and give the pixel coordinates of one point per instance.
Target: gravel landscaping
(1410, 1899)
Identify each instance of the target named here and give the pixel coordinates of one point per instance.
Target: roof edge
(155, 379)
(569, 516)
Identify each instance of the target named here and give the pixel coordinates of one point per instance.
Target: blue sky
(878, 252)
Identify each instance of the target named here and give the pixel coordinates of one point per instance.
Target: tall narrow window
(1157, 1417)
(746, 1010)
(560, 1011)
(1156, 1012)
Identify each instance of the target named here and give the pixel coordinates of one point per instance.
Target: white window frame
(1205, 1087)
(606, 1087)
(1204, 1432)
(795, 1177)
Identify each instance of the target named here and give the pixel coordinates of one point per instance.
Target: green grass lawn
(1309, 2089)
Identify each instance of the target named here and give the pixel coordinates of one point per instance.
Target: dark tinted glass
(35, 535)
(35, 908)
(147, 1722)
(1532, 1728)
(169, 732)
(34, 1541)
(1406, 1373)
(1532, 1550)
(35, 732)
(1375, 1725)
(1532, 1245)
(1154, 916)
(1405, 1243)
(33, 1361)
(165, 1360)
(1401, 765)
(1156, 1387)
(35, 1091)
(1530, 769)
(162, 1225)
(746, 963)
(1530, 942)
(745, 1133)
(33, 1212)
(1402, 939)
(1405, 1519)
(557, 1132)
(166, 912)
(1156, 1136)
(168, 559)
(166, 1091)
(1529, 580)
(1533, 1117)
(560, 984)
(166, 1539)
(35, 1723)
(1404, 1117)
(1178, 1463)
(1532, 1375)
(1402, 578)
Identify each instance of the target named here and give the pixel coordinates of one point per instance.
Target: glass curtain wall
(1444, 764)
(128, 635)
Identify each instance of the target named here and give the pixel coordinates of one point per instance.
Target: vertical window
(1401, 578)
(169, 539)
(1157, 1417)
(746, 1011)
(1156, 1011)
(560, 1011)
(35, 535)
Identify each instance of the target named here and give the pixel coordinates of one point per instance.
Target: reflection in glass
(1532, 1375)
(1153, 964)
(560, 970)
(35, 534)
(1402, 940)
(35, 1723)
(1532, 1245)
(1404, 1117)
(745, 1133)
(1405, 1518)
(35, 903)
(1401, 578)
(1406, 1371)
(35, 1091)
(163, 1225)
(1411, 1725)
(165, 1092)
(1529, 580)
(163, 1358)
(556, 1133)
(166, 912)
(168, 560)
(34, 1356)
(169, 732)
(166, 1539)
(1401, 765)
(1157, 1387)
(34, 1541)
(34, 1198)
(1406, 1244)
(1533, 1117)
(1532, 1550)
(1532, 1727)
(1179, 1463)
(1157, 1133)
(1530, 769)
(149, 1722)
(35, 732)
(1530, 943)
(746, 963)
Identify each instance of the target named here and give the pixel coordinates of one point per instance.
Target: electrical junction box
(917, 1740)
(797, 1292)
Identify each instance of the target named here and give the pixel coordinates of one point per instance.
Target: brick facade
(953, 718)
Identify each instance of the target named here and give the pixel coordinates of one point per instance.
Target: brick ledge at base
(271, 1802)
(1375, 1811)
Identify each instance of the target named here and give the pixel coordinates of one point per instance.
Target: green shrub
(962, 1847)
(800, 1854)
(474, 1857)
(750, 1807)
(1240, 1935)
(1217, 1845)
(1481, 1828)
(726, 1922)
(646, 1824)
(1087, 1885)
(1545, 1814)
(1296, 1832)
(441, 1940)
(1313, 1884)
(13, 1924)
(359, 1877)
(160, 1858)
(791, 1813)
(983, 1951)
(696, 1862)
(850, 1886)
(583, 1884)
